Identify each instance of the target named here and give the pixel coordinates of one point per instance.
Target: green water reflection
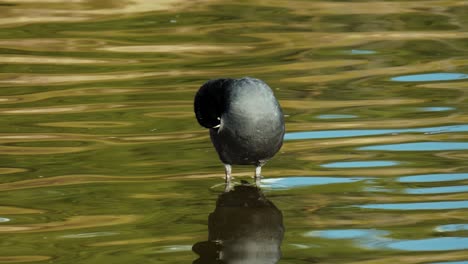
(102, 160)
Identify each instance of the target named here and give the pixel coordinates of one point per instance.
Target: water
(102, 160)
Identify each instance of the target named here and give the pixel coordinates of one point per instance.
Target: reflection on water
(420, 146)
(437, 108)
(360, 164)
(431, 77)
(245, 227)
(335, 116)
(451, 262)
(295, 182)
(418, 206)
(431, 244)
(102, 160)
(347, 233)
(435, 177)
(76, 222)
(371, 238)
(88, 235)
(362, 52)
(452, 228)
(372, 132)
(445, 189)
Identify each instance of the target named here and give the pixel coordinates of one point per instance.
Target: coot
(245, 121)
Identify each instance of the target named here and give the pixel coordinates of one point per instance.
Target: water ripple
(335, 116)
(383, 71)
(348, 233)
(434, 177)
(362, 52)
(452, 228)
(88, 124)
(373, 238)
(6, 210)
(11, 170)
(431, 244)
(50, 60)
(451, 262)
(90, 235)
(435, 190)
(446, 205)
(295, 182)
(75, 222)
(431, 77)
(420, 146)
(372, 132)
(360, 164)
(437, 108)
(182, 48)
(19, 259)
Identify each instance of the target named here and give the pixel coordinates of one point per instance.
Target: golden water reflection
(6, 210)
(75, 222)
(19, 259)
(101, 154)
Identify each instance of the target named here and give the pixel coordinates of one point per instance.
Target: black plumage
(245, 121)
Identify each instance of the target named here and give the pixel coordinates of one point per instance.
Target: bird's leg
(258, 176)
(228, 177)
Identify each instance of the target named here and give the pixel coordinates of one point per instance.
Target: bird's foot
(228, 178)
(258, 180)
(228, 187)
(258, 176)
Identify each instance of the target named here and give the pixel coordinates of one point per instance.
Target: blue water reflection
(435, 177)
(431, 77)
(437, 108)
(360, 164)
(418, 206)
(452, 228)
(294, 182)
(372, 132)
(433, 190)
(330, 116)
(431, 244)
(420, 146)
(451, 262)
(347, 233)
(373, 238)
(173, 248)
(90, 235)
(362, 52)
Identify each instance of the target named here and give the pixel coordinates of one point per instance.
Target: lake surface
(102, 160)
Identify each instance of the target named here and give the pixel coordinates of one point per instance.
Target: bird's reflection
(245, 227)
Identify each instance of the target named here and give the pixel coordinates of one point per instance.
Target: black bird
(245, 121)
